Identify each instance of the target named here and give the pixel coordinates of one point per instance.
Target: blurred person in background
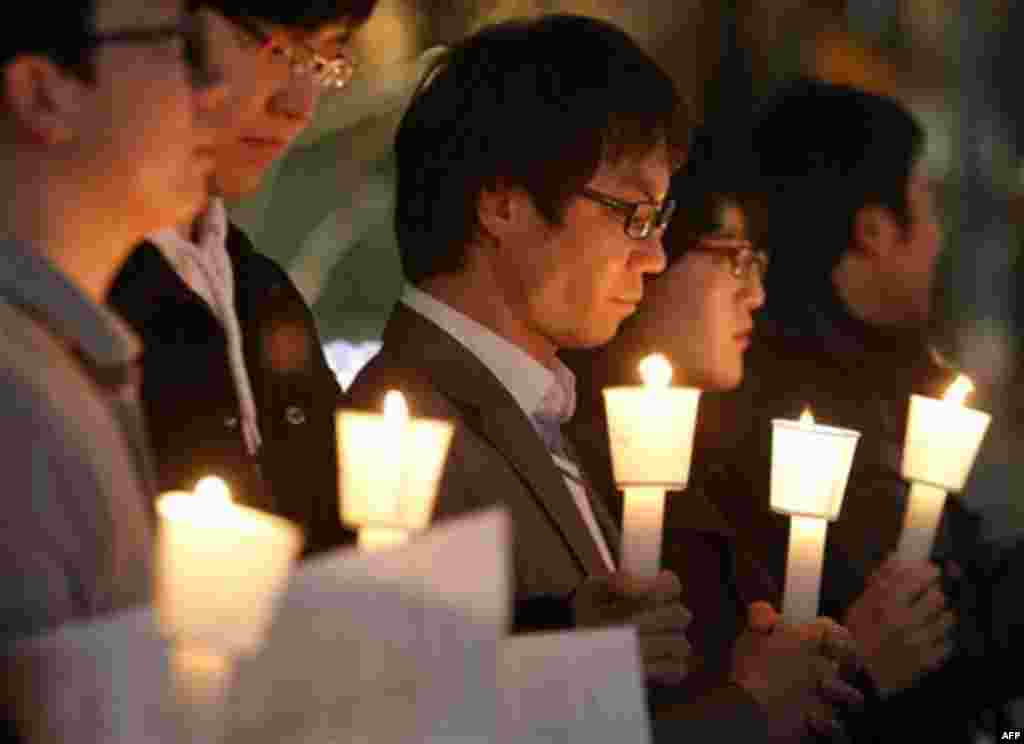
(107, 119)
(847, 213)
(235, 381)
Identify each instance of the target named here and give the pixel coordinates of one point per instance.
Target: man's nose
(651, 254)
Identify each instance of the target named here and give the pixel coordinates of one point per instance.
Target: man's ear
(42, 99)
(504, 210)
(874, 231)
(495, 210)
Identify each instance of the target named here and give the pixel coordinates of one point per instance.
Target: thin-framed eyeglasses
(745, 260)
(642, 218)
(303, 61)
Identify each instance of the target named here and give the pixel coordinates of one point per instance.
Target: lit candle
(219, 568)
(942, 442)
(810, 467)
(650, 431)
(388, 468)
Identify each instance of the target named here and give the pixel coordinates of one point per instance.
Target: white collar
(212, 229)
(526, 379)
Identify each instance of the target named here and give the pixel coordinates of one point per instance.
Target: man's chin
(238, 186)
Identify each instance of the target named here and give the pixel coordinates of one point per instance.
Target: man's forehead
(648, 173)
(127, 14)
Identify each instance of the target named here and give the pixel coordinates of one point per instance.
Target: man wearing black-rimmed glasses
(530, 207)
(104, 135)
(235, 380)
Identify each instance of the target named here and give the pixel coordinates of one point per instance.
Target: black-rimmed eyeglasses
(642, 218)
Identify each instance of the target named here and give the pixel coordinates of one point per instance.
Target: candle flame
(395, 407)
(959, 390)
(656, 371)
(806, 417)
(214, 490)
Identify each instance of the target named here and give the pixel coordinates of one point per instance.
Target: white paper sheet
(396, 646)
(572, 688)
(104, 681)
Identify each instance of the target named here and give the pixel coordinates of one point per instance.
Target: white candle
(942, 441)
(219, 568)
(803, 568)
(643, 517)
(810, 467)
(921, 521)
(389, 467)
(650, 432)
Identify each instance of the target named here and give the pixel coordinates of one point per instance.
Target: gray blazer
(75, 530)
(496, 456)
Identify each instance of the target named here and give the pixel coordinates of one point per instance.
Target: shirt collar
(538, 390)
(211, 230)
(30, 281)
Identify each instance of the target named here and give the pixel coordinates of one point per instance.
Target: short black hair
(306, 15)
(717, 174)
(61, 34)
(824, 151)
(537, 104)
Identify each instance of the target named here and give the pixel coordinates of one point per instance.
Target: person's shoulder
(28, 351)
(40, 389)
(384, 373)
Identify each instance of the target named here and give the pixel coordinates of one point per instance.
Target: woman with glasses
(235, 382)
(699, 313)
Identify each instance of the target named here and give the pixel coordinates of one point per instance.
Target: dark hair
(824, 151)
(61, 34)
(717, 174)
(308, 15)
(536, 104)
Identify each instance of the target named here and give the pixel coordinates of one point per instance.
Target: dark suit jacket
(496, 457)
(189, 394)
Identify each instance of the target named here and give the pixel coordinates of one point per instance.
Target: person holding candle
(517, 247)
(235, 379)
(699, 314)
(108, 113)
(850, 221)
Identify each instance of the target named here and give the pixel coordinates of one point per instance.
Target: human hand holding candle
(942, 442)
(389, 467)
(650, 430)
(219, 568)
(810, 467)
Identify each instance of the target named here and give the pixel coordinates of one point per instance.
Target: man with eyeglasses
(235, 380)
(515, 247)
(104, 137)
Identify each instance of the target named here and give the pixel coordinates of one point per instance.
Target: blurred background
(325, 210)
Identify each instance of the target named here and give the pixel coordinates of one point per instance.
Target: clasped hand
(901, 624)
(795, 673)
(652, 606)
